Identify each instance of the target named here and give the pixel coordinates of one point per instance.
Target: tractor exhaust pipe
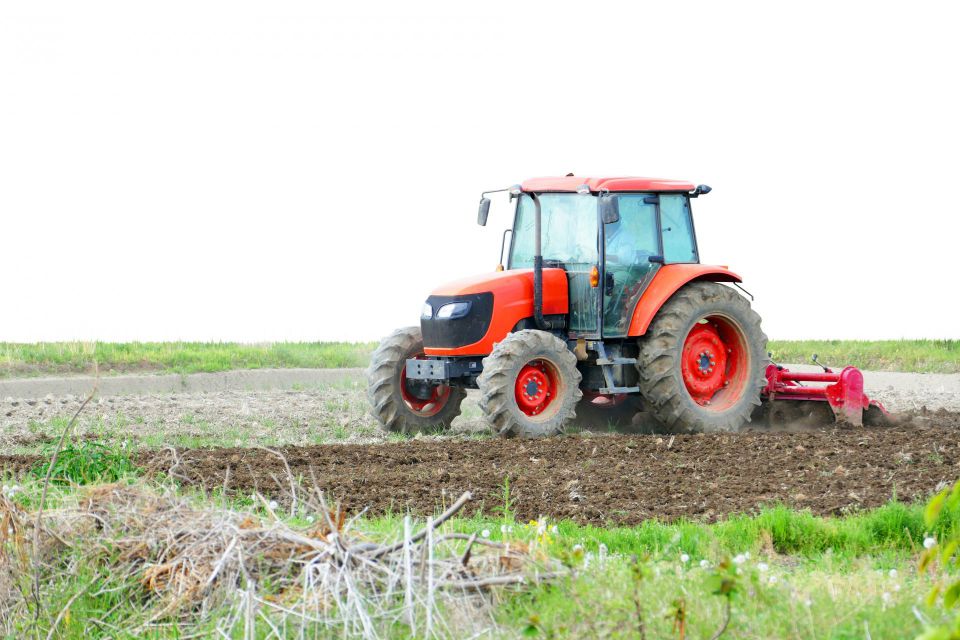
(537, 269)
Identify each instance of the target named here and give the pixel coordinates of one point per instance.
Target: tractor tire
(702, 360)
(392, 402)
(530, 385)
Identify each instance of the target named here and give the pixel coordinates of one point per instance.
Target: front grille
(457, 332)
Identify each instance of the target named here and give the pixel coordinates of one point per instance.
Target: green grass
(86, 462)
(17, 359)
(178, 357)
(926, 356)
(798, 575)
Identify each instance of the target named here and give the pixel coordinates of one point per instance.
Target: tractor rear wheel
(702, 360)
(530, 385)
(402, 406)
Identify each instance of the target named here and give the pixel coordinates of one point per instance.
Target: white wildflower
(896, 587)
(684, 558)
(704, 564)
(763, 567)
(929, 542)
(310, 519)
(553, 529)
(740, 558)
(578, 547)
(485, 533)
(892, 573)
(273, 505)
(772, 580)
(886, 597)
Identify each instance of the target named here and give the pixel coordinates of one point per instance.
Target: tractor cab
(611, 245)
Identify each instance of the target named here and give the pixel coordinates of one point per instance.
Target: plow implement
(793, 394)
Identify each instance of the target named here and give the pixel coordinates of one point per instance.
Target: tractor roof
(570, 183)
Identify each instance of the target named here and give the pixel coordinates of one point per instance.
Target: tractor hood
(498, 301)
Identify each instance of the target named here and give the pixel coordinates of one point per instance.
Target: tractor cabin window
(676, 225)
(569, 230)
(570, 236)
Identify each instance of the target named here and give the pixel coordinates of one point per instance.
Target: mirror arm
(503, 244)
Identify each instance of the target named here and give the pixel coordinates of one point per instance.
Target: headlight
(454, 310)
(427, 311)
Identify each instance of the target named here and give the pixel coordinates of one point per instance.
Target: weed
(86, 463)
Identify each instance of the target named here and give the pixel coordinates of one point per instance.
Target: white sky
(308, 171)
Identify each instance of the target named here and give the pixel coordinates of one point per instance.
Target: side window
(677, 229)
(631, 240)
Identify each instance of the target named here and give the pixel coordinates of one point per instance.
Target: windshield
(569, 229)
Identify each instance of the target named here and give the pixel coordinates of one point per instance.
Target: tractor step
(613, 390)
(605, 363)
(612, 361)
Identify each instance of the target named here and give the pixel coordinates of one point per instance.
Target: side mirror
(483, 212)
(609, 209)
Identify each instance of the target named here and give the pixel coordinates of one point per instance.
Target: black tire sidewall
(672, 404)
(753, 351)
(498, 398)
(408, 421)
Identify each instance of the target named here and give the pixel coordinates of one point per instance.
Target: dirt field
(326, 433)
(601, 478)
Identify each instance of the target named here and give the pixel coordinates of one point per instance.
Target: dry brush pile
(236, 573)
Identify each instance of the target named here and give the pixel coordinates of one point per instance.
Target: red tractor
(603, 311)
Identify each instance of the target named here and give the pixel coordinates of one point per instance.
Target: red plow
(842, 392)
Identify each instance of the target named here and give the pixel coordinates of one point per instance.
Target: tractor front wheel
(404, 406)
(530, 385)
(702, 360)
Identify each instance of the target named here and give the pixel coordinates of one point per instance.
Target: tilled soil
(600, 478)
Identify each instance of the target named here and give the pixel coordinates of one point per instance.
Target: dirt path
(141, 384)
(330, 407)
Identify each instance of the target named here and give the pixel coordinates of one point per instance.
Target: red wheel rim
(714, 363)
(536, 387)
(425, 408)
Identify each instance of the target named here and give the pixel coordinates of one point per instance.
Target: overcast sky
(310, 171)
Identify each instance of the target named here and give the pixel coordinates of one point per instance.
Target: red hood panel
(511, 287)
(512, 302)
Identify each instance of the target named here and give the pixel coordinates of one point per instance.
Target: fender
(668, 279)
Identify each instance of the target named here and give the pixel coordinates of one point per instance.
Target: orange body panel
(665, 283)
(571, 183)
(512, 302)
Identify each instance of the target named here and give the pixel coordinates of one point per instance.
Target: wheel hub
(535, 387)
(704, 362)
